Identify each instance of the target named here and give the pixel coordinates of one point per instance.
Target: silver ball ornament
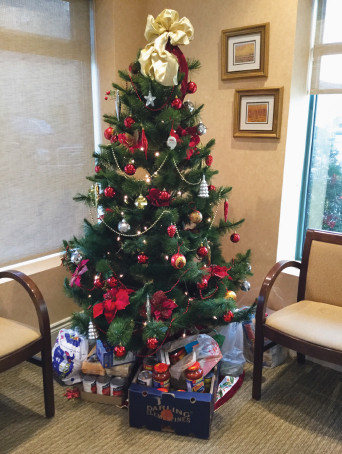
(201, 129)
(123, 226)
(189, 105)
(245, 286)
(249, 267)
(76, 257)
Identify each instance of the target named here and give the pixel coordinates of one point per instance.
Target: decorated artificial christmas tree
(150, 266)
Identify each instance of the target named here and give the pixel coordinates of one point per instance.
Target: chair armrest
(267, 287)
(36, 297)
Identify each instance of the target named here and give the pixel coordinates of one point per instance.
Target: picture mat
(253, 126)
(231, 66)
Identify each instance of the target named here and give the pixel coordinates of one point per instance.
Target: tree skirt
(227, 388)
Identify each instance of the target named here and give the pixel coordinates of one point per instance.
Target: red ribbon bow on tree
(161, 306)
(116, 299)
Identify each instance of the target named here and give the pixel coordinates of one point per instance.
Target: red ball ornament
(204, 284)
(112, 281)
(128, 122)
(142, 258)
(192, 87)
(211, 187)
(97, 169)
(177, 103)
(202, 251)
(130, 169)
(209, 160)
(178, 261)
(152, 342)
(109, 192)
(108, 133)
(106, 97)
(114, 138)
(98, 282)
(171, 230)
(164, 196)
(119, 351)
(228, 317)
(235, 237)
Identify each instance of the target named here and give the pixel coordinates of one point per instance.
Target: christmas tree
(151, 266)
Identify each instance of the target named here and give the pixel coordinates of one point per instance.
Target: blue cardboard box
(185, 413)
(104, 353)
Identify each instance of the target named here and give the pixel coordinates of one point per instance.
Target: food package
(68, 354)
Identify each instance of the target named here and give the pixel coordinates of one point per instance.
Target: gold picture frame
(244, 52)
(257, 112)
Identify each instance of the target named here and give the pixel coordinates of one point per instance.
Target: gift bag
(233, 359)
(68, 353)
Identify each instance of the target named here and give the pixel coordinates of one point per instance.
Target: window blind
(327, 51)
(46, 124)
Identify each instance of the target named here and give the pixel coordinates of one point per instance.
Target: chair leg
(258, 358)
(49, 399)
(300, 358)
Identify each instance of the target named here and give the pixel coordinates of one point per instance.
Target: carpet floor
(300, 412)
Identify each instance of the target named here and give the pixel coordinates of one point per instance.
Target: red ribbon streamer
(183, 66)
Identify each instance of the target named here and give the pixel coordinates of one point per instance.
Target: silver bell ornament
(93, 333)
(201, 129)
(76, 257)
(245, 286)
(123, 226)
(189, 105)
(203, 189)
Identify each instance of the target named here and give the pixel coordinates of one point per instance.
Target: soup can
(103, 385)
(117, 386)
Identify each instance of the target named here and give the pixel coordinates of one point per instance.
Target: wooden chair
(20, 343)
(313, 325)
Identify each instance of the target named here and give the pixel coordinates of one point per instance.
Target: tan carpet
(300, 412)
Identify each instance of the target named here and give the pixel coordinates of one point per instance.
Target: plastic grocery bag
(233, 358)
(206, 352)
(68, 354)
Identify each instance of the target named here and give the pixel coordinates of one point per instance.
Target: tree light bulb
(156, 153)
(138, 232)
(118, 238)
(179, 193)
(145, 323)
(145, 228)
(121, 276)
(185, 293)
(122, 213)
(144, 241)
(215, 317)
(89, 296)
(108, 253)
(132, 161)
(142, 148)
(155, 173)
(166, 257)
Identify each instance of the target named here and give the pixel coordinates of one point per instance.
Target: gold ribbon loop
(155, 60)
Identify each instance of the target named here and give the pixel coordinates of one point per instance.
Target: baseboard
(56, 327)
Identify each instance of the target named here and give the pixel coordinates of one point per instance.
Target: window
(321, 204)
(46, 123)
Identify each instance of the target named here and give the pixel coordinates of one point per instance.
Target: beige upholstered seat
(14, 335)
(311, 321)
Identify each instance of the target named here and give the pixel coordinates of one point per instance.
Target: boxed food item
(272, 357)
(182, 412)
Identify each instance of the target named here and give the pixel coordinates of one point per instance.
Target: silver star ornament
(149, 99)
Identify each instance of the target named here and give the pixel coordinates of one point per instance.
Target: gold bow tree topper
(155, 61)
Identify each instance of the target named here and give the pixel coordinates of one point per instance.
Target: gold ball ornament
(230, 294)
(141, 202)
(196, 217)
(178, 261)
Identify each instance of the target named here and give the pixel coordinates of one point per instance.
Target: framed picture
(257, 113)
(244, 52)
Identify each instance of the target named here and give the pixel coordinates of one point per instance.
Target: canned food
(149, 363)
(177, 355)
(89, 384)
(103, 385)
(145, 378)
(117, 386)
